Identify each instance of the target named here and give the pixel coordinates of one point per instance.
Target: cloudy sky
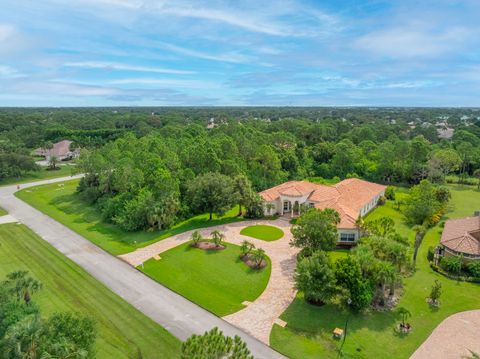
(307, 53)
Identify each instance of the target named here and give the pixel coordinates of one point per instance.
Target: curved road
(179, 316)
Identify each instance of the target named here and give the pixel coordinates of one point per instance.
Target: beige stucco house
(351, 198)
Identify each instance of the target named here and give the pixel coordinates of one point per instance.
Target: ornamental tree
(316, 229)
(314, 276)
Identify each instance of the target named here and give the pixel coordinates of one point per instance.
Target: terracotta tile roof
(346, 197)
(59, 149)
(462, 235)
(291, 188)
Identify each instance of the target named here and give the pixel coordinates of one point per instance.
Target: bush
(451, 264)
(390, 193)
(430, 254)
(305, 253)
(382, 200)
(473, 269)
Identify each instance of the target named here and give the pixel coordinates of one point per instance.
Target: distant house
(461, 237)
(61, 150)
(351, 198)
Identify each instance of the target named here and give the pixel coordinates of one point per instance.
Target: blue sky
(305, 53)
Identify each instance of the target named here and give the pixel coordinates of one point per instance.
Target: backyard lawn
(124, 332)
(3, 212)
(309, 330)
(42, 174)
(64, 205)
(214, 279)
(263, 232)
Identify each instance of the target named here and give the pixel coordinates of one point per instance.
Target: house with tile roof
(351, 198)
(461, 237)
(61, 150)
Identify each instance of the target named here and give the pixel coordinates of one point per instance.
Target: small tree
(243, 189)
(217, 237)
(52, 162)
(214, 344)
(196, 237)
(316, 229)
(390, 193)
(314, 276)
(436, 292)
(22, 285)
(258, 256)
(404, 314)
(246, 248)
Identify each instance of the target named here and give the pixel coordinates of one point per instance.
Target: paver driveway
(258, 317)
(454, 338)
(176, 314)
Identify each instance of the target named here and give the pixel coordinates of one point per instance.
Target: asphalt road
(178, 315)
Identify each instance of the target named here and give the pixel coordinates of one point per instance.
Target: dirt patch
(249, 262)
(208, 246)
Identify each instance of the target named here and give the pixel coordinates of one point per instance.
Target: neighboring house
(351, 198)
(461, 237)
(61, 150)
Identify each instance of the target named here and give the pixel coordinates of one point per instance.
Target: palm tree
(217, 237)
(258, 257)
(404, 313)
(196, 237)
(23, 339)
(23, 285)
(385, 273)
(269, 207)
(246, 247)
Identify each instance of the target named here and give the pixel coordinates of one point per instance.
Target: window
(311, 205)
(347, 237)
(286, 206)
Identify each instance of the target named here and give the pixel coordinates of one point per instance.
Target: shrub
(436, 292)
(254, 208)
(382, 200)
(390, 193)
(430, 254)
(451, 264)
(474, 269)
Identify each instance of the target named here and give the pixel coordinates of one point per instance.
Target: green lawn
(216, 280)
(124, 332)
(3, 212)
(309, 330)
(263, 232)
(64, 205)
(42, 174)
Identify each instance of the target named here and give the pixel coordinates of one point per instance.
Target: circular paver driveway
(258, 317)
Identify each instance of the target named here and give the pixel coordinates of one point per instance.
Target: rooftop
(462, 235)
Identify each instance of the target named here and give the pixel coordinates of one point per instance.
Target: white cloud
(124, 67)
(193, 84)
(225, 57)
(408, 41)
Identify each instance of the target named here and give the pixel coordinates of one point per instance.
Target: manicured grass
(309, 330)
(42, 174)
(263, 232)
(65, 205)
(124, 332)
(3, 212)
(216, 279)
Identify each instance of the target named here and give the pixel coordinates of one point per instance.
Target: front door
(286, 206)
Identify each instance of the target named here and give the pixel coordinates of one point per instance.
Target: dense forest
(154, 155)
